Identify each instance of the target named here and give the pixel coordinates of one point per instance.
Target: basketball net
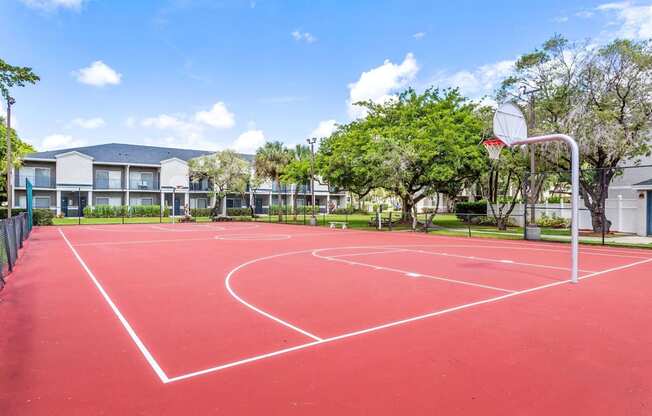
(494, 147)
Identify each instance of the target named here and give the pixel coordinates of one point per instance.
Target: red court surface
(267, 319)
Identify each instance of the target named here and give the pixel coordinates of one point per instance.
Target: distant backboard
(509, 124)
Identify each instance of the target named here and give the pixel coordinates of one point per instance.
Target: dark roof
(644, 183)
(129, 153)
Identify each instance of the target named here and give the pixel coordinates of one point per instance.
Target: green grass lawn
(445, 224)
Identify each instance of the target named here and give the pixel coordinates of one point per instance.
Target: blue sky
(232, 74)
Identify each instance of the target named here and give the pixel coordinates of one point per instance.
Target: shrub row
(469, 210)
(238, 212)
(110, 211)
(200, 212)
(553, 222)
(42, 216)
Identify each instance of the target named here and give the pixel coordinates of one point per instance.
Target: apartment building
(68, 180)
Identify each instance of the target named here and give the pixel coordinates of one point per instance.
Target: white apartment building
(68, 180)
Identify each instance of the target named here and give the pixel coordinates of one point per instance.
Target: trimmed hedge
(42, 216)
(201, 212)
(467, 210)
(238, 212)
(14, 212)
(105, 211)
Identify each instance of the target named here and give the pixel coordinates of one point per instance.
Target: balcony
(283, 188)
(203, 185)
(143, 184)
(103, 183)
(38, 181)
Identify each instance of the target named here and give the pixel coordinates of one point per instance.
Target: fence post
(468, 222)
(620, 213)
(390, 221)
(525, 198)
(5, 225)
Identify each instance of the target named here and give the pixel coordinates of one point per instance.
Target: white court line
(227, 283)
(409, 273)
(395, 323)
(544, 266)
(370, 253)
(115, 243)
(134, 337)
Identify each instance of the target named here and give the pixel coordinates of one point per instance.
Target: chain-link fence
(13, 232)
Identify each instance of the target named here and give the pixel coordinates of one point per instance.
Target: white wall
(174, 172)
(74, 169)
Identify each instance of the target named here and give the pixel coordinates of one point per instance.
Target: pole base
(313, 221)
(532, 233)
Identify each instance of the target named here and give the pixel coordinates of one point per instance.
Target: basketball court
(256, 318)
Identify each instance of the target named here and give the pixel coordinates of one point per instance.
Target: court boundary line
(166, 380)
(412, 274)
(125, 324)
(395, 323)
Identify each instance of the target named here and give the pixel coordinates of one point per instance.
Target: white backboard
(509, 124)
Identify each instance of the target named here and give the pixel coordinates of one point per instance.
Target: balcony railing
(108, 183)
(39, 181)
(200, 186)
(143, 185)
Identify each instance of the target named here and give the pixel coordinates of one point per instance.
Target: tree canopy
(413, 146)
(601, 96)
(226, 170)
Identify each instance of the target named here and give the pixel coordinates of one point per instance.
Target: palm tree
(298, 171)
(270, 161)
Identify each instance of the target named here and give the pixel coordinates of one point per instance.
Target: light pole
(532, 231)
(10, 102)
(312, 141)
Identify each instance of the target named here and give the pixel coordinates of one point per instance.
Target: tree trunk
(407, 216)
(280, 204)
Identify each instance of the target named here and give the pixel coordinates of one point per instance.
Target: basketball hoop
(494, 147)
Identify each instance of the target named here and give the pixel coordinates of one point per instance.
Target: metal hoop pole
(575, 191)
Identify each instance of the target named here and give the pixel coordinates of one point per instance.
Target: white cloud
(130, 121)
(49, 5)
(60, 141)
(560, 19)
(380, 83)
(88, 123)
(218, 116)
(584, 14)
(248, 141)
(303, 36)
(98, 74)
(419, 35)
(324, 129)
(479, 82)
(634, 21)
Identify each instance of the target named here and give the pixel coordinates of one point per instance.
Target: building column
(224, 206)
(292, 202)
(127, 187)
(186, 202)
(90, 199)
(162, 203)
(328, 202)
(58, 202)
(251, 200)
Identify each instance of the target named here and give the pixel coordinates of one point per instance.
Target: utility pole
(312, 141)
(10, 165)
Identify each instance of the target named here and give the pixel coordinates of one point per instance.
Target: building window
(101, 201)
(41, 202)
(141, 180)
(202, 203)
(146, 201)
(108, 179)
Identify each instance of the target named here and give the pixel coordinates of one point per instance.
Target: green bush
(201, 212)
(145, 211)
(490, 220)
(14, 212)
(343, 211)
(553, 222)
(106, 211)
(466, 211)
(238, 212)
(42, 216)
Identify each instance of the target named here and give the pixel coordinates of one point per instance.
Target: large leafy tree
(602, 96)
(13, 76)
(18, 147)
(346, 159)
(227, 172)
(270, 162)
(298, 170)
(419, 143)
